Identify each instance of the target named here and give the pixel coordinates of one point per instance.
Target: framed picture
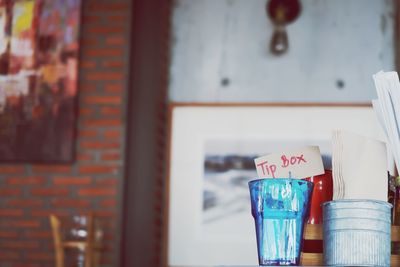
(38, 79)
(212, 148)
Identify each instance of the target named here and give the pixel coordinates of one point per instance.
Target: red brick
(9, 255)
(10, 192)
(88, 88)
(114, 88)
(111, 156)
(88, 64)
(109, 203)
(102, 122)
(105, 52)
(114, 64)
(51, 168)
(89, 42)
(99, 145)
(90, 19)
(84, 180)
(8, 234)
(19, 244)
(10, 169)
(107, 246)
(97, 191)
(107, 260)
(112, 134)
(49, 192)
(38, 234)
(108, 7)
(20, 223)
(106, 29)
(98, 169)
(87, 133)
(42, 256)
(115, 40)
(112, 181)
(29, 180)
(105, 214)
(104, 76)
(26, 265)
(11, 212)
(25, 203)
(85, 112)
(46, 213)
(111, 111)
(108, 224)
(109, 239)
(66, 203)
(116, 18)
(113, 100)
(85, 157)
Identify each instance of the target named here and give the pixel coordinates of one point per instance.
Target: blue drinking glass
(280, 209)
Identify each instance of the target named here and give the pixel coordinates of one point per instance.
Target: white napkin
(387, 108)
(337, 151)
(359, 167)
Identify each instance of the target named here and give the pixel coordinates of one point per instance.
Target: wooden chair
(91, 245)
(315, 232)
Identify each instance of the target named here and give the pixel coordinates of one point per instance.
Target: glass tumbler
(280, 209)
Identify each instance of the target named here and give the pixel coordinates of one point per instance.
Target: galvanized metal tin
(357, 232)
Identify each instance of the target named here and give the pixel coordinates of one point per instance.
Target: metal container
(357, 233)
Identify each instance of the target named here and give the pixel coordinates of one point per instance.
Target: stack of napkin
(359, 167)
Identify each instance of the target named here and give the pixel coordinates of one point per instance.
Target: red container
(323, 192)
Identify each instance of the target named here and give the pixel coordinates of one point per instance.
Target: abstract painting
(39, 48)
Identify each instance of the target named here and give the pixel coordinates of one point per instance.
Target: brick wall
(29, 192)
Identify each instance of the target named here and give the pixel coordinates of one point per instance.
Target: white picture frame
(248, 128)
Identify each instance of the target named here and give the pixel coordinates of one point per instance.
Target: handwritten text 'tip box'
(299, 163)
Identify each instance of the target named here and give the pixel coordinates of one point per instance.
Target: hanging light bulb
(279, 43)
(281, 13)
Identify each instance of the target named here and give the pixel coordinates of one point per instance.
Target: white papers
(337, 159)
(359, 167)
(387, 108)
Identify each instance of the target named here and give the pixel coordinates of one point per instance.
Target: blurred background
(135, 58)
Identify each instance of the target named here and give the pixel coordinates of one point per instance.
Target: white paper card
(299, 163)
(362, 166)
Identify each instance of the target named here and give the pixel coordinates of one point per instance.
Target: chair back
(86, 238)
